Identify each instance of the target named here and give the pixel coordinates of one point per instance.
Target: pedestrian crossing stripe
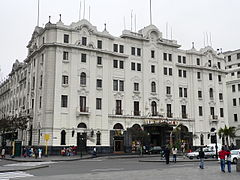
(16, 174)
(28, 164)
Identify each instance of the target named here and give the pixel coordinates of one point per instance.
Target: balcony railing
(169, 115)
(118, 112)
(83, 111)
(137, 113)
(213, 118)
(184, 116)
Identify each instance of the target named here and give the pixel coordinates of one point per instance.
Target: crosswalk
(28, 164)
(16, 174)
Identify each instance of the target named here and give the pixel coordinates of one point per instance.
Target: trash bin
(238, 165)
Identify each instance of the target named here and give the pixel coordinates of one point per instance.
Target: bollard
(238, 165)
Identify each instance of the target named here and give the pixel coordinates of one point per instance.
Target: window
(198, 62)
(83, 57)
(169, 110)
(133, 66)
(115, 85)
(238, 55)
(179, 73)
(138, 51)
(168, 90)
(165, 56)
(184, 60)
(42, 61)
(232, 74)
(238, 87)
(99, 44)
(235, 118)
(165, 71)
(200, 94)
(152, 54)
(64, 101)
(98, 138)
(83, 79)
(184, 111)
(184, 73)
(121, 64)
(221, 112)
(170, 57)
(133, 51)
(219, 78)
(233, 88)
(121, 85)
(115, 48)
(170, 71)
(40, 102)
(84, 41)
(33, 83)
(209, 63)
(210, 76)
(136, 111)
(211, 93)
(180, 92)
(115, 63)
(63, 137)
(118, 107)
(198, 75)
(219, 65)
(229, 58)
(152, 68)
(99, 60)
(138, 67)
(153, 87)
(98, 103)
(212, 111)
(200, 110)
(234, 102)
(41, 80)
(83, 101)
(66, 38)
(99, 83)
(154, 108)
(179, 59)
(238, 74)
(185, 92)
(65, 55)
(64, 79)
(220, 96)
(121, 49)
(136, 87)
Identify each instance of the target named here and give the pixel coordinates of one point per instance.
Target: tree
(139, 135)
(227, 133)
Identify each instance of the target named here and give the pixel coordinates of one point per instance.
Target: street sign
(46, 137)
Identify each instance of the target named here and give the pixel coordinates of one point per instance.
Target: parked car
(235, 155)
(208, 153)
(155, 150)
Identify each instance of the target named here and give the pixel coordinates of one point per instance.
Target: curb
(19, 160)
(154, 161)
(26, 169)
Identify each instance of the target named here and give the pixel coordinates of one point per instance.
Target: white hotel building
(233, 90)
(86, 87)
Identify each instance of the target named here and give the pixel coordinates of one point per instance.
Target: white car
(235, 155)
(208, 153)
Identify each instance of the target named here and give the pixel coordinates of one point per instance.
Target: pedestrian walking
(222, 155)
(24, 152)
(39, 153)
(229, 161)
(201, 157)
(166, 154)
(94, 152)
(174, 152)
(3, 153)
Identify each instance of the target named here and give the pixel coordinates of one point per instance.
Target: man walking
(166, 154)
(222, 154)
(201, 157)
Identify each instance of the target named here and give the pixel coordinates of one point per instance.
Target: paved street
(125, 168)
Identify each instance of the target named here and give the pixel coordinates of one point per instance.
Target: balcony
(169, 115)
(184, 116)
(83, 111)
(118, 112)
(213, 118)
(137, 113)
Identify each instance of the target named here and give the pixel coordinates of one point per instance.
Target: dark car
(156, 150)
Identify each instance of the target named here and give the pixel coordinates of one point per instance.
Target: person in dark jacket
(167, 154)
(201, 157)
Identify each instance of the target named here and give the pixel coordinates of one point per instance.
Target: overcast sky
(189, 20)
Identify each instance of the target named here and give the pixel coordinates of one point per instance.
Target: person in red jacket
(222, 154)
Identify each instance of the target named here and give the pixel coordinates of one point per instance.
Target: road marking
(91, 160)
(109, 169)
(182, 165)
(17, 174)
(27, 164)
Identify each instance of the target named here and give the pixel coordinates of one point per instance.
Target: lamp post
(216, 146)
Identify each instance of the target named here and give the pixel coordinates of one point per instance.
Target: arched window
(154, 108)
(82, 125)
(153, 86)
(63, 137)
(83, 78)
(211, 93)
(118, 126)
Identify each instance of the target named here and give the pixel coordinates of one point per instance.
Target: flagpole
(38, 13)
(150, 11)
